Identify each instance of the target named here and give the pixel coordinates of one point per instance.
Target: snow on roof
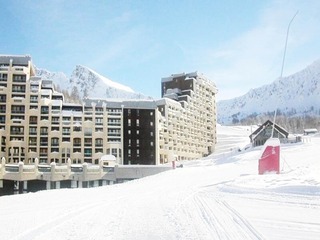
(17, 59)
(310, 130)
(119, 103)
(168, 101)
(176, 75)
(108, 158)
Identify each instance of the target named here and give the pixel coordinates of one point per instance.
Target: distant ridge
(295, 95)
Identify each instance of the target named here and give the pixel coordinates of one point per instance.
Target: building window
(2, 109)
(129, 122)
(33, 131)
(55, 128)
(17, 109)
(138, 122)
(44, 131)
(99, 142)
(114, 152)
(19, 78)
(66, 131)
(44, 110)
(87, 152)
(77, 142)
(99, 121)
(3, 98)
(55, 142)
(129, 153)
(88, 142)
(33, 120)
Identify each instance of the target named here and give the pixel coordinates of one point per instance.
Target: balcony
(87, 154)
(16, 132)
(43, 154)
(17, 111)
(43, 144)
(18, 90)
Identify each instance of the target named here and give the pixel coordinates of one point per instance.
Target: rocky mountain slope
(295, 95)
(89, 84)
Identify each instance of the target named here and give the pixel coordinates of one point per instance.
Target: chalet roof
(311, 130)
(266, 124)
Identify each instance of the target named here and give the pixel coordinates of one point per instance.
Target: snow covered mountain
(93, 85)
(295, 95)
(90, 84)
(58, 78)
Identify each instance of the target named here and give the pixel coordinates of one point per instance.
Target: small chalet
(263, 133)
(310, 131)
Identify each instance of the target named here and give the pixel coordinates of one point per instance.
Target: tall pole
(285, 46)
(284, 57)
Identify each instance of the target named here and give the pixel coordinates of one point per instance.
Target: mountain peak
(86, 71)
(90, 84)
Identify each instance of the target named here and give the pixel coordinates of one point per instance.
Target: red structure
(269, 161)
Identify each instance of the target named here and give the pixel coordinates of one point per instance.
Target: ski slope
(218, 197)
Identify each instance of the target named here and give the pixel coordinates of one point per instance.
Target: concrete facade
(188, 110)
(36, 122)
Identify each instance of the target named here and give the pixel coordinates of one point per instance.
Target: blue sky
(237, 44)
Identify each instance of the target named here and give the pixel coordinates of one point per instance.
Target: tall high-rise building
(188, 108)
(36, 121)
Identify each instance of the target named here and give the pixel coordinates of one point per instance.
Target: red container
(269, 161)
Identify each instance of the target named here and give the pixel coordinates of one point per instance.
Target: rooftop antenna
(284, 57)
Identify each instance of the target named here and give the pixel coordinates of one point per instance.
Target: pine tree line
(293, 124)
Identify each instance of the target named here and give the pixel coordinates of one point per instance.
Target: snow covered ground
(219, 197)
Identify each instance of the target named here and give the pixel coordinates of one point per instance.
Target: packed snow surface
(218, 197)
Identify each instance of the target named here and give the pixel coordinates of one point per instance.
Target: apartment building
(36, 122)
(188, 108)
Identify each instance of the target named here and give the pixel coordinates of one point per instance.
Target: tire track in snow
(225, 221)
(40, 230)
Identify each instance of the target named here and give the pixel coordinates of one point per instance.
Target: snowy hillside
(293, 95)
(90, 84)
(58, 78)
(219, 197)
(93, 85)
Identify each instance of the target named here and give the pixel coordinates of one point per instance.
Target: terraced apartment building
(36, 122)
